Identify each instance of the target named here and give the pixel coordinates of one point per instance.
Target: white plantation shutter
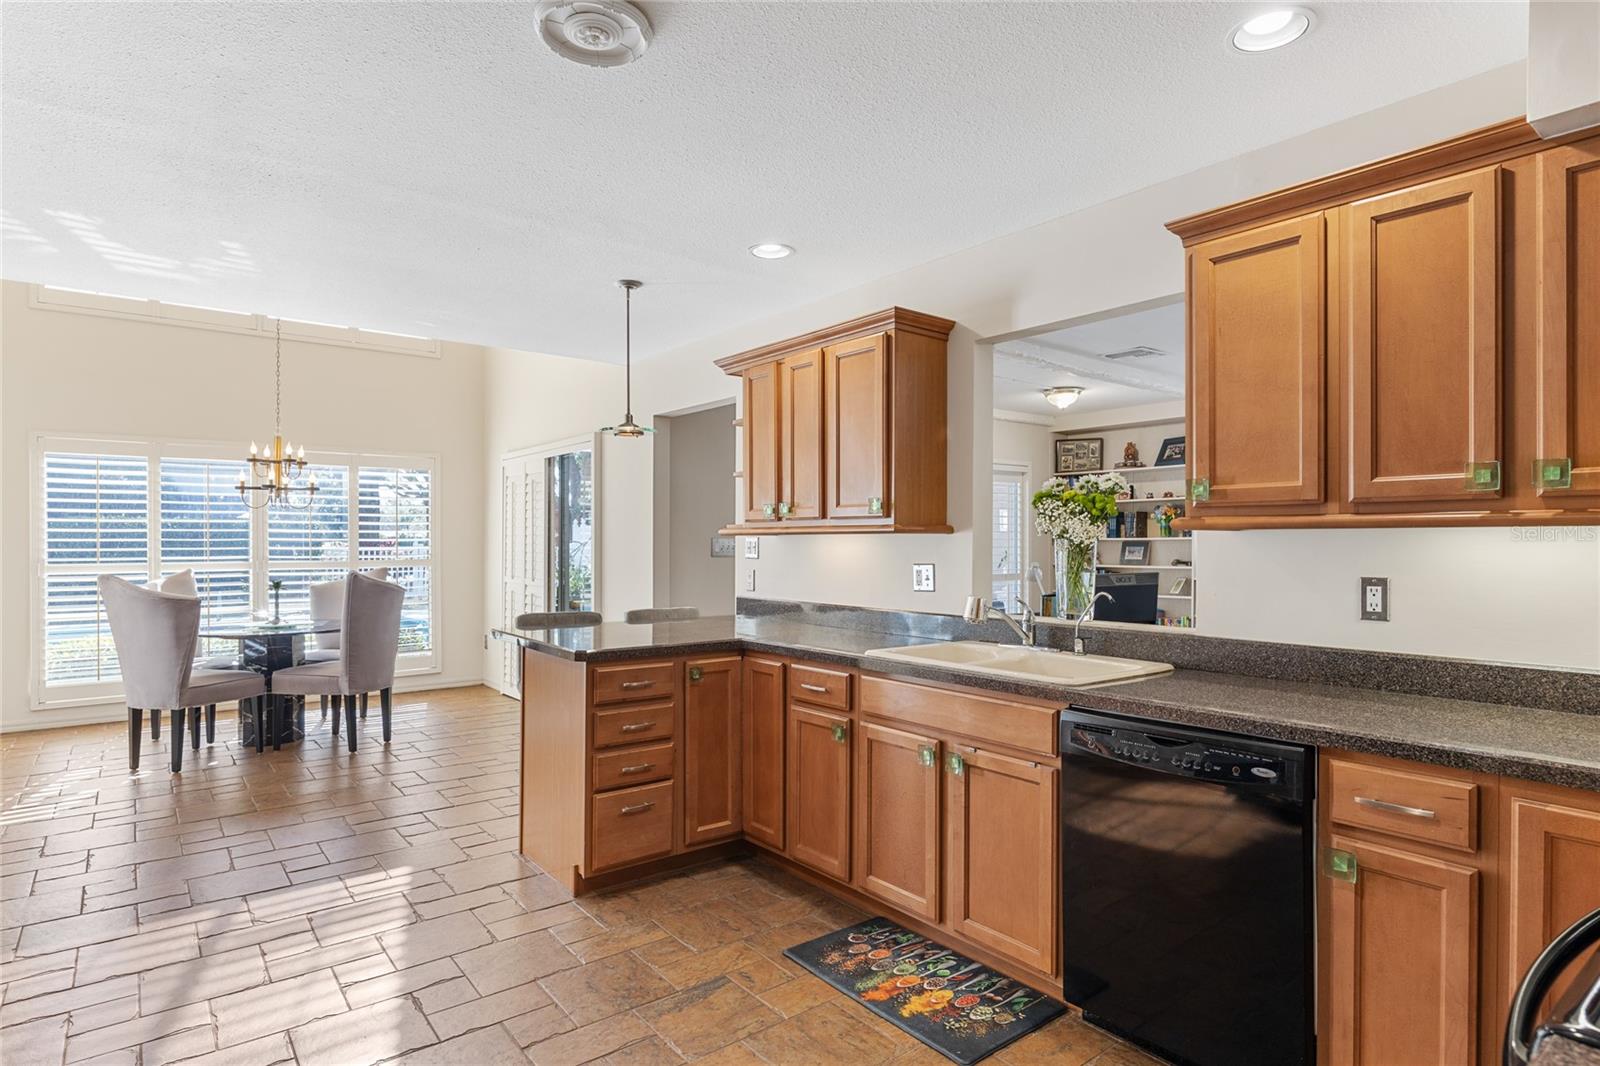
(1010, 542)
(394, 523)
(318, 531)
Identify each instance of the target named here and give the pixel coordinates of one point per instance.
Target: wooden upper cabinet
(1568, 389)
(846, 428)
(898, 819)
(1258, 367)
(1551, 839)
(712, 744)
(818, 803)
(763, 448)
(800, 380)
(857, 471)
(1001, 854)
(1402, 958)
(764, 737)
(1421, 324)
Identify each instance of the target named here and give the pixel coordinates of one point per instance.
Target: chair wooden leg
(194, 725)
(135, 733)
(258, 709)
(350, 720)
(386, 703)
(211, 723)
(177, 740)
(324, 708)
(363, 705)
(337, 703)
(155, 723)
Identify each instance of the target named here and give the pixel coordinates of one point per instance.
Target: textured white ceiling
(433, 168)
(1074, 355)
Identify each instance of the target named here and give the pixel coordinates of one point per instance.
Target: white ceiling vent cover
(596, 33)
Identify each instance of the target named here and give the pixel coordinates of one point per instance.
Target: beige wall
(698, 504)
(65, 373)
(1032, 445)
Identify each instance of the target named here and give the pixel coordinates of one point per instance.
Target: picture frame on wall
(1172, 452)
(1135, 552)
(1078, 455)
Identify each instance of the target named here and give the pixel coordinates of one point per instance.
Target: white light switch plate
(921, 577)
(750, 581)
(752, 547)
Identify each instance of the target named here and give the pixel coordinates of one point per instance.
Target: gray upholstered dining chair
(369, 640)
(558, 619)
(647, 615)
(155, 634)
(327, 605)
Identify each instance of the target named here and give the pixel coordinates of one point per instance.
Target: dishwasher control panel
(1203, 759)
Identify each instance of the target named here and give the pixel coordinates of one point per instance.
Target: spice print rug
(960, 1008)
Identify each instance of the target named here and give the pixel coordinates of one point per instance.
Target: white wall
(69, 373)
(700, 470)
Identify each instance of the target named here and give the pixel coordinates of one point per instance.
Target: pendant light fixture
(272, 472)
(627, 427)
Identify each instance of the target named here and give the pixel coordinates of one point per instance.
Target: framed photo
(1172, 452)
(1076, 455)
(1135, 552)
(1180, 587)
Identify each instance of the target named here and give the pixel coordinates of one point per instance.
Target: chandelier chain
(277, 378)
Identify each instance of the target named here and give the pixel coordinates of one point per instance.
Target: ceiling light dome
(596, 33)
(1271, 29)
(771, 250)
(1063, 397)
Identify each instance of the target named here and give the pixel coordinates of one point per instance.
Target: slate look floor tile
(313, 907)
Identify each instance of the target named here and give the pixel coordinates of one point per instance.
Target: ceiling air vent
(1141, 352)
(596, 33)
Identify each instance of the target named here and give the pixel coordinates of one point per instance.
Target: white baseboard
(117, 711)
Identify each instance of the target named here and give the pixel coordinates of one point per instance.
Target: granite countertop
(1543, 745)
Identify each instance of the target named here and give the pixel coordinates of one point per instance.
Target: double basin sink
(1022, 663)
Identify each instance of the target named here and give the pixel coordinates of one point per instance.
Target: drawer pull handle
(637, 808)
(629, 686)
(637, 727)
(809, 687)
(1395, 808)
(643, 767)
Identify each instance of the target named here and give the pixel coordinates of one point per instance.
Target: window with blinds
(146, 510)
(1009, 542)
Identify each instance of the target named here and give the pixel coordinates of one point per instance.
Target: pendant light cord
(627, 349)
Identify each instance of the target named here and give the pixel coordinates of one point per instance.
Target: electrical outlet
(1375, 599)
(752, 547)
(921, 577)
(750, 580)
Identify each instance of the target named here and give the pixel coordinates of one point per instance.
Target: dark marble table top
(1544, 745)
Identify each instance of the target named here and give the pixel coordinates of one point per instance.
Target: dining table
(265, 647)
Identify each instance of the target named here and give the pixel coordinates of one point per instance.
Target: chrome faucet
(1088, 612)
(977, 611)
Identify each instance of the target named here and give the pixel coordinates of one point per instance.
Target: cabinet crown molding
(898, 319)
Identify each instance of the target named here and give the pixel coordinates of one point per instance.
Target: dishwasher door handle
(1395, 808)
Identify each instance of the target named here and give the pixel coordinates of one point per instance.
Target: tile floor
(317, 907)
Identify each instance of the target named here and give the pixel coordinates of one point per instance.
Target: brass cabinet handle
(643, 767)
(637, 808)
(637, 727)
(1395, 808)
(809, 687)
(631, 685)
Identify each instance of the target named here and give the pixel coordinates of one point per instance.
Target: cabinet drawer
(633, 766)
(632, 725)
(630, 825)
(633, 681)
(819, 687)
(1416, 806)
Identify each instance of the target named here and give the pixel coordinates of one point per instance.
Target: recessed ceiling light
(1271, 29)
(1063, 397)
(771, 251)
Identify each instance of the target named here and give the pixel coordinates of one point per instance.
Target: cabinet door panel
(800, 393)
(764, 737)
(898, 819)
(762, 443)
(819, 790)
(711, 749)
(1569, 327)
(1402, 953)
(1553, 875)
(1422, 320)
(1001, 843)
(1259, 366)
(856, 377)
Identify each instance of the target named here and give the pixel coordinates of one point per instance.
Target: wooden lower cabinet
(764, 745)
(1402, 959)
(818, 821)
(1001, 847)
(712, 745)
(898, 823)
(1552, 857)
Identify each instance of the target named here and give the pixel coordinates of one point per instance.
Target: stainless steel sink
(1029, 664)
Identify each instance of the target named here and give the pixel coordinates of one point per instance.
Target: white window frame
(1021, 473)
(152, 449)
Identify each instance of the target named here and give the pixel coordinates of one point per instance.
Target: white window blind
(1010, 541)
(394, 526)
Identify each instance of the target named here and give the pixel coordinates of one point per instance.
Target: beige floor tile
(400, 982)
(706, 1017)
(276, 1007)
(263, 1051)
(485, 1047)
(353, 921)
(589, 1042)
(453, 1021)
(738, 961)
(237, 883)
(201, 1040)
(208, 977)
(651, 1052)
(69, 999)
(437, 997)
(37, 1043)
(436, 938)
(365, 1035)
(832, 1032)
(733, 1055)
(146, 1027)
(601, 989)
(139, 952)
(75, 932)
(537, 1025)
(1066, 1041)
(507, 963)
(799, 994)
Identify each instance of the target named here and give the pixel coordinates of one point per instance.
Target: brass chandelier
(273, 472)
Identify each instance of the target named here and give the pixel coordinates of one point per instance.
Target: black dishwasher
(1186, 889)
